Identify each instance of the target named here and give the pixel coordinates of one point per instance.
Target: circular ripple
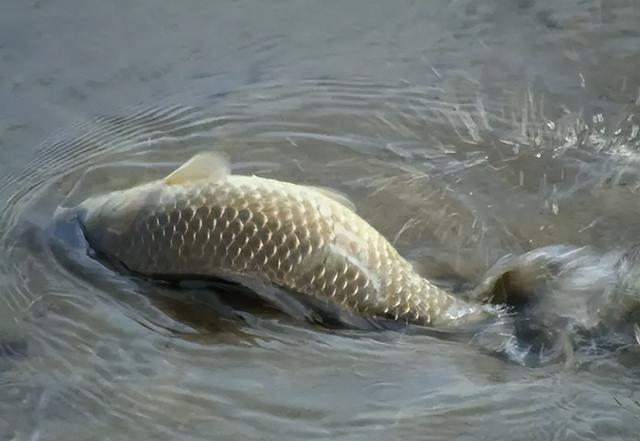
(455, 181)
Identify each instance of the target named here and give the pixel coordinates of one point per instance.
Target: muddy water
(463, 131)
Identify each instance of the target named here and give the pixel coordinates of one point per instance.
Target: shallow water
(462, 130)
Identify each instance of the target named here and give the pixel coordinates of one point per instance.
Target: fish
(202, 221)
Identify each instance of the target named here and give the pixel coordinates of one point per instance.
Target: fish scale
(203, 221)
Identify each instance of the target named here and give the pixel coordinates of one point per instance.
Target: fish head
(109, 220)
(105, 219)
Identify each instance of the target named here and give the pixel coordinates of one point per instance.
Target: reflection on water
(463, 132)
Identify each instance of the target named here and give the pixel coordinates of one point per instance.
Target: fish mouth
(67, 227)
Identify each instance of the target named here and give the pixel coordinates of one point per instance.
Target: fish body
(202, 221)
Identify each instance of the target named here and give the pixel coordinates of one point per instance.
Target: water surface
(462, 130)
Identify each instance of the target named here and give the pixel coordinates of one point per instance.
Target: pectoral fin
(209, 166)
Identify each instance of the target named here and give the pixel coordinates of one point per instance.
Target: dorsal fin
(211, 166)
(335, 195)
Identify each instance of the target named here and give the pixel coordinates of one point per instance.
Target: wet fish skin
(203, 221)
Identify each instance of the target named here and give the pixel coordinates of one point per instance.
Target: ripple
(453, 179)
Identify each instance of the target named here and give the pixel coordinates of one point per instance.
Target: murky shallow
(463, 131)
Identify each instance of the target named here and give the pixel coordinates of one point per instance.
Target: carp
(202, 221)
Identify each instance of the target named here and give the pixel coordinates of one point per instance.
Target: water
(462, 130)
